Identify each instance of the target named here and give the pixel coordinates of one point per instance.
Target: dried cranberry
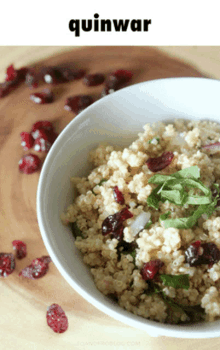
(37, 269)
(32, 78)
(69, 74)
(193, 253)
(110, 87)
(118, 196)
(125, 214)
(7, 264)
(42, 143)
(150, 269)
(42, 124)
(94, 79)
(113, 223)
(27, 140)
(121, 76)
(199, 254)
(45, 96)
(211, 254)
(56, 318)
(77, 103)
(118, 233)
(21, 74)
(160, 163)
(52, 75)
(29, 163)
(20, 248)
(11, 73)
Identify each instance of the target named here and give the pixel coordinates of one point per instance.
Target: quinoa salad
(146, 220)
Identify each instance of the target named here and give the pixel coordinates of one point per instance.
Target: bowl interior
(116, 119)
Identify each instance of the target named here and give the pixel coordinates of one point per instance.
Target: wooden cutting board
(23, 302)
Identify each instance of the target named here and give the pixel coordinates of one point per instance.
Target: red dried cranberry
(118, 233)
(118, 196)
(121, 76)
(160, 163)
(27, 140)
(94, 79)
(21, 74)
(29, 163)
(37, 269)
(52, 75)
(11, 73)
(69, 74)
(110, 87)
(32, 78)
(7, 264)
(150, 269)
(199, 254)
(113, 223)
(56, 318)
(20, 248)
(45, 96)
(125, 214)
(42, 124)
(77, 103)
(211, 254)
(42, 143)
(46, 258)
(193, 253)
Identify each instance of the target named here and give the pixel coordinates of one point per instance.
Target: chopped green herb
(175, 281)
(133, 254)
(172, 188)
(165, 216)
(175, 311)
(102, 181)
(148, 224)
(76, 230)
(153, 288)
(154, 138)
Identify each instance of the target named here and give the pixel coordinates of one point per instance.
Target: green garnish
(175, 281)
(173, 188)
(148, 224)
(133, 254)
(100, 184)
(102, 181)
(154, 138)
(76, 230)
(175, 311)
(164, 216)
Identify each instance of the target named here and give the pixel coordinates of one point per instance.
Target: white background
(46, 22)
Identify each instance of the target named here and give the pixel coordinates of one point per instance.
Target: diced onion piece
(140, 221)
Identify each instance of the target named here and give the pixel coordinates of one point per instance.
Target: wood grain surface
(23, 302)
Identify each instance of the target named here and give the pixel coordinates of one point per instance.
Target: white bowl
(117, 119)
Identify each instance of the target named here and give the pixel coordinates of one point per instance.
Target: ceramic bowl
(116, 119)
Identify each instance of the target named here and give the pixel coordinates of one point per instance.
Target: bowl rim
(149, 326)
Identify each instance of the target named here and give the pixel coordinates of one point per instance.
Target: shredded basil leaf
(178, 189)
(175, 281)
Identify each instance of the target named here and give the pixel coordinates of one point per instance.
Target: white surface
(117, 119)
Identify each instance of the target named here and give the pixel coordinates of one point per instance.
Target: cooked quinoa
(117, 263)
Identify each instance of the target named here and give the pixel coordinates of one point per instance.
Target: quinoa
(118, 273)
